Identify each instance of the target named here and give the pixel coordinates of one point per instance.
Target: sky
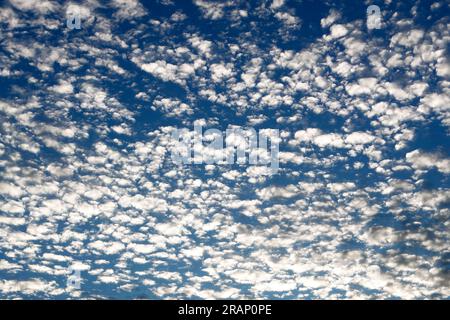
(92, 205)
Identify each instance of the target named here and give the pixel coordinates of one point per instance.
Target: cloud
(356, 210)
(338, 31)
(421, 160)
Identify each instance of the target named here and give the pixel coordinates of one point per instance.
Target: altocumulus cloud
(358, 209)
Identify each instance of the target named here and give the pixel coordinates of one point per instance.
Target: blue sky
(359, 208)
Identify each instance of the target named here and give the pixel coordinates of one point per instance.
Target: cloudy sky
(360, 205)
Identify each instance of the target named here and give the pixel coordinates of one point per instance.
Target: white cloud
(64, 87)
(333, 16)
(107, 247)
(421, 160)
(359, 138)
(220, 71)
(338, 31)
